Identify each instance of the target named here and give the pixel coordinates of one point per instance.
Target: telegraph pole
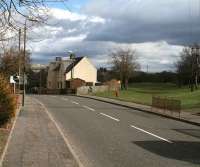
(197, 65)
(24, 70)
(40, 80)
(19, 56)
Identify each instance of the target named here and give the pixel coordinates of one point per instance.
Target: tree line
(125, 67)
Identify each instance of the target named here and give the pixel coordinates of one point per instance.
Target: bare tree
(9, 61)
(124, 63)
(188, 67)
(13, 13)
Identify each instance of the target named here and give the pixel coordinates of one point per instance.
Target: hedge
(7, 101)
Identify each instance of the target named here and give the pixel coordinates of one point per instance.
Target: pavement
(102, 134)
(36, 141)
(192, 117)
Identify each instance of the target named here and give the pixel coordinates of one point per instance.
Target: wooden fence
(166, 104)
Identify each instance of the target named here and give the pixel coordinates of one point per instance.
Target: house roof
(72, 65)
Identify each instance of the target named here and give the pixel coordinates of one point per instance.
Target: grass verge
(4, 133)
(142, 93)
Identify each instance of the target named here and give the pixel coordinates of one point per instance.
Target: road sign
(12, 81)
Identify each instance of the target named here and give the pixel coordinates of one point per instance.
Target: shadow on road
(190, 132)
(179, 150)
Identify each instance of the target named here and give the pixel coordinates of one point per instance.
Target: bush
(7, 101)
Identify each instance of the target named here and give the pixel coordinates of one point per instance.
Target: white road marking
(74, 102)
(61, 133)
(115, 119)
(89, 108)
(66, 99)
(142, 130)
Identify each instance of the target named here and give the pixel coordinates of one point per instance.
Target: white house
(62, 70)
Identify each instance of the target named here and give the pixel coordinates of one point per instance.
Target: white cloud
(70, 31)
(66, 15)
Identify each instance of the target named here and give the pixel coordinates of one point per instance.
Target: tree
(10, 62)
(37, 79)
(13, 13)
(124, 63)
(188, 68)
(104, 74)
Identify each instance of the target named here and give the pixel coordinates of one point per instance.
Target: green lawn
(142, 93)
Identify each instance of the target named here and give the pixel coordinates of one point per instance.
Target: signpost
(13, 82)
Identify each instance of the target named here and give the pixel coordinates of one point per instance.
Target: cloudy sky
(157, 29)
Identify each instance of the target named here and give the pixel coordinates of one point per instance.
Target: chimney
(58, 58)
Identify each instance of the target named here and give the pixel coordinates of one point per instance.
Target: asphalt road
(106, 135)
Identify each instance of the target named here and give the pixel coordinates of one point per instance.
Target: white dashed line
(89, 108)
(65, 99)
(115, 119)
(142, 130)
(74, 102)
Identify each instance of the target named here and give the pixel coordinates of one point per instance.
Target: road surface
(107, 135)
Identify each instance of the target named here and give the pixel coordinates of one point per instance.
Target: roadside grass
(142, 93)
(3, 139)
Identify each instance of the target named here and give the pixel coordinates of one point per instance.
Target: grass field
(142, 93)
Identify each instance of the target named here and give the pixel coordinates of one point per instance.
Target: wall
(84, 70)
(84, 90)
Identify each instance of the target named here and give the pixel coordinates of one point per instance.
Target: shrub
(7, 101)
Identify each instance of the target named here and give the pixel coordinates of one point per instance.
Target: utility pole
(19, 57)
(40, 79)
(24, 70)
(197, 66)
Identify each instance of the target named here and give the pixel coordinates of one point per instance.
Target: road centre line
(66, 99)
(115, 119)
(142, 130)
(74, 102)
(89, 108)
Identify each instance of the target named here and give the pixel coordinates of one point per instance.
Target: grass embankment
(142, 93)
(3, 138)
